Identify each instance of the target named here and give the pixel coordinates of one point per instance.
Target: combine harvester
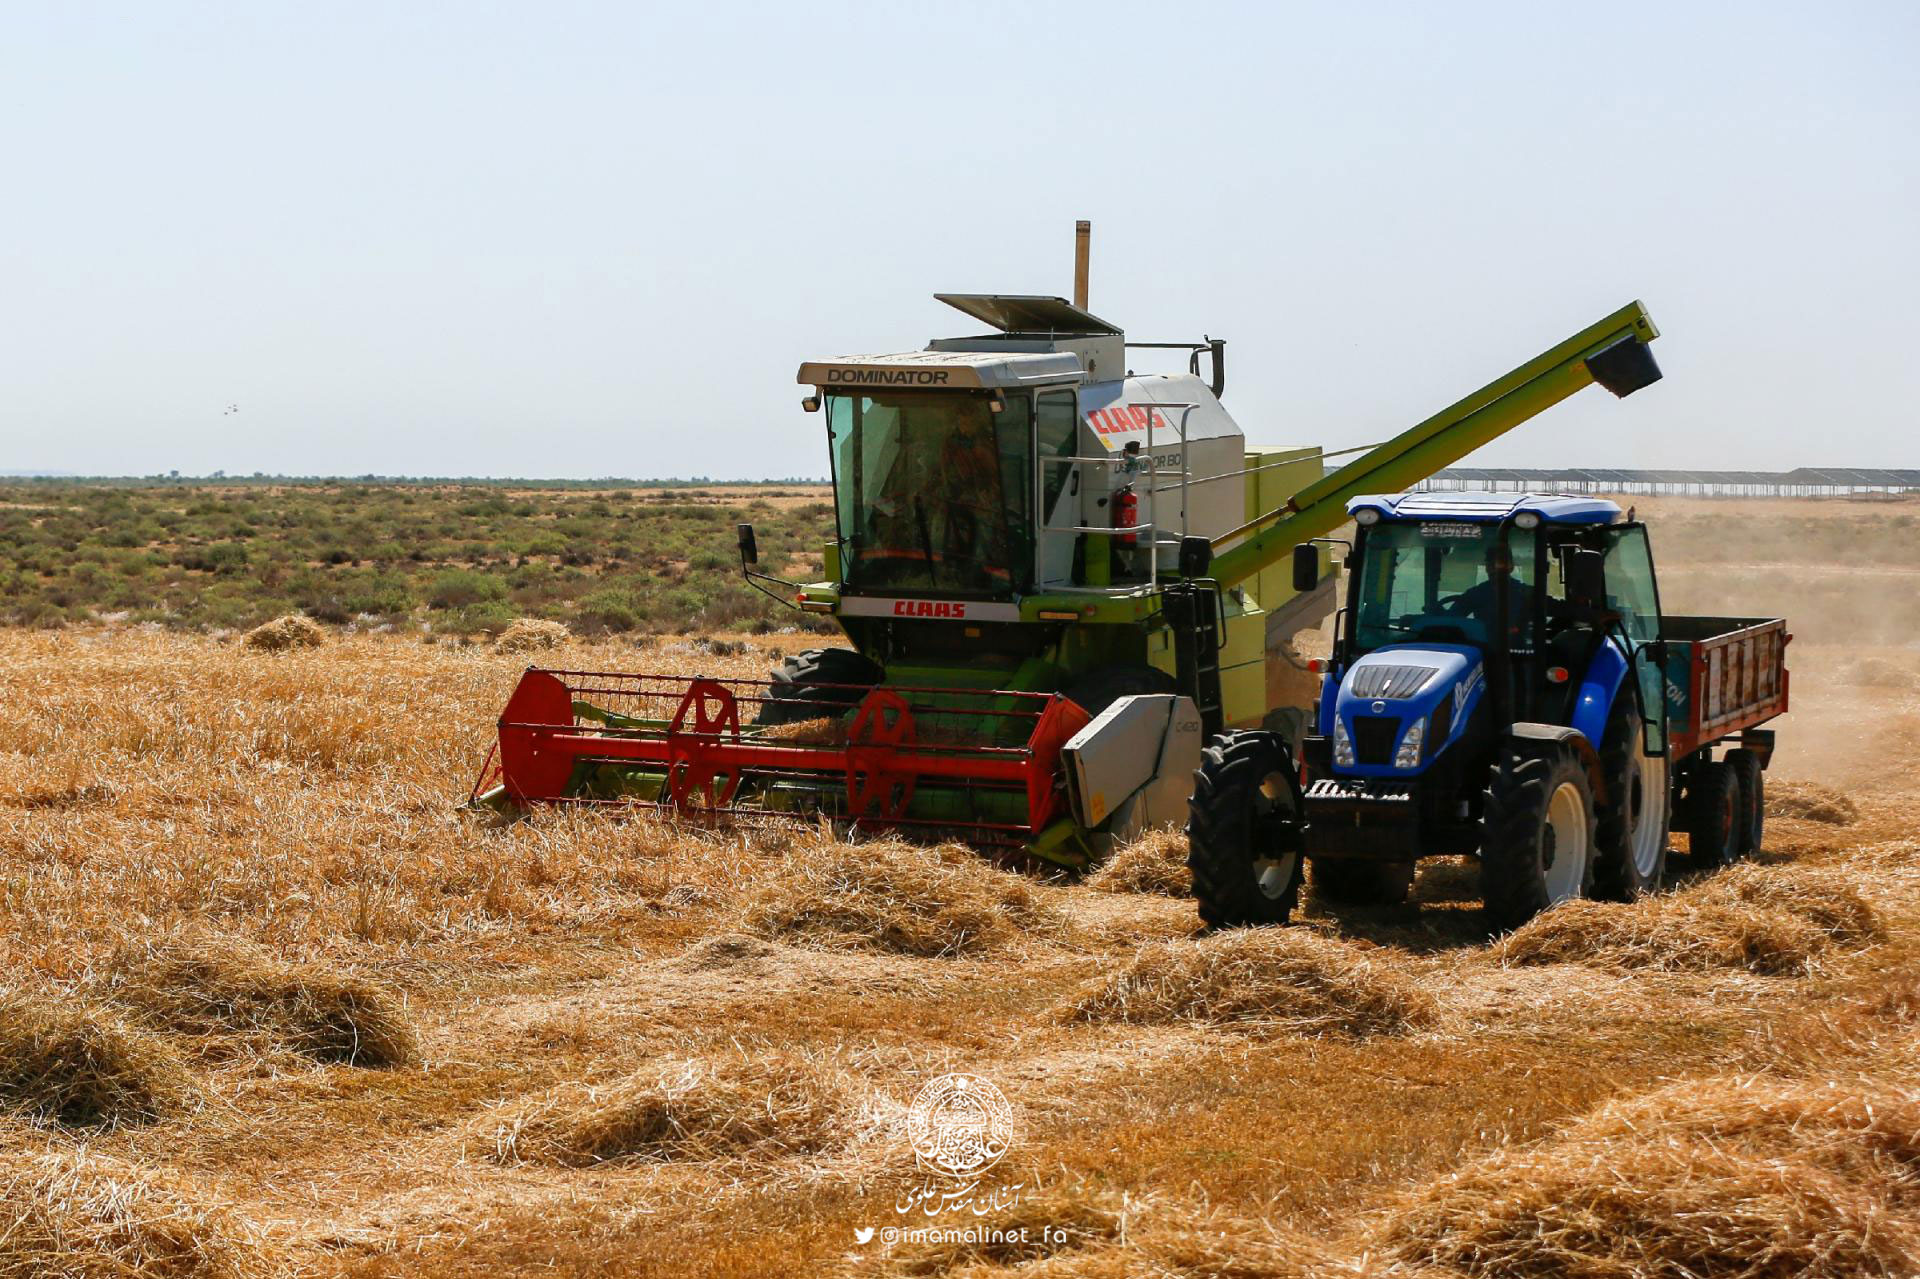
(1060, 580)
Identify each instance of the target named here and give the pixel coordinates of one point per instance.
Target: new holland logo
(929, 608)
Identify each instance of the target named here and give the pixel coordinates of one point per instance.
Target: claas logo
(1119, 419)
(928, 608)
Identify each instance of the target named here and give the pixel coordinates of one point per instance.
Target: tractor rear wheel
(1713, 826)
(1536, 843)
(1243, 832)
(1752, 784)
(1630, 831)
(819, 683)
(1362, 883)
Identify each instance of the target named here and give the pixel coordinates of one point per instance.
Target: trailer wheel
(1536, 843)
(796, 695)
(1243, 831)
(1362, 883)
(1714, 820)
(1630, 830)
(1752, 787)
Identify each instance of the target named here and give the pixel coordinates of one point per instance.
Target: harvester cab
(1028, 487)
(1057, 578)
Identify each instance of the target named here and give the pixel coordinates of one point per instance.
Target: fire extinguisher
(1126, 514)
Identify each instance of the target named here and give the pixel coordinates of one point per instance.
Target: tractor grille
(1374, 737)
(1380, 680)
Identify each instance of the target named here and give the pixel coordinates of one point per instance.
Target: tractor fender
(1526, 736)
(1598, 688)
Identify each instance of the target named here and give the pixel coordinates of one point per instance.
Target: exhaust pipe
(1082, 245)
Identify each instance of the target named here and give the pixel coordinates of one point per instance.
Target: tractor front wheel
(1244, 829)
(1536, 844)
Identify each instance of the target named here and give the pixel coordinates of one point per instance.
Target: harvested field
(282, 633)
(86, 1216)
(1262, 980)
(232, 995)
(1751, 918)
(893, 896)
(69, 1063)
(760, 1104)
(627, 1047)
(1720, 1176)
(1154, 863)
(1812, 801)
(532, 635)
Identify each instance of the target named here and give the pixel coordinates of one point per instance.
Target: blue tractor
(1500, 686)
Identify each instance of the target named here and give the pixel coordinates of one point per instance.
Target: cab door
(1633, 592)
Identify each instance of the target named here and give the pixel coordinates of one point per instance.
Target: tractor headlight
(1408, 756)
(1342, 744)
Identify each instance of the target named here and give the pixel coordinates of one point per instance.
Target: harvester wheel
(1243, 831)
(1752, 784)
(1714, 825)
(1362, 883)
(1099, 689)
(1536, 843)
(1630, 831)
(796, 696)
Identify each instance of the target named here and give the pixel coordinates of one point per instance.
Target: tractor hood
(1393, 690)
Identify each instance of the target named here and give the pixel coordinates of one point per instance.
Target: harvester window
(932, 490)
(1056, 432)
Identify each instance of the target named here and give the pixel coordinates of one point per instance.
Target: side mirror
(1586, 577)
(1306, 567)
(749, 548)
(1656, 651)
(1196, 557)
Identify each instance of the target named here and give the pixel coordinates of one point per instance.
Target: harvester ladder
(1192, 610)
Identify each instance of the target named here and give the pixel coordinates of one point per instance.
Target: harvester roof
(941, 370)
(1488, 507)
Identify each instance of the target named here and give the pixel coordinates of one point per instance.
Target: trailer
(1724, 677)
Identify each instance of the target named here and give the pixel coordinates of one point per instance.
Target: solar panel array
(1602, 476)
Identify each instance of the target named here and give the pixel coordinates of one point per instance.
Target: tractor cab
(1516, 606)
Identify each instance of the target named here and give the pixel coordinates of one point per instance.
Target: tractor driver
(1480, 602)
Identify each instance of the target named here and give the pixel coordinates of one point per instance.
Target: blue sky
(580, 240)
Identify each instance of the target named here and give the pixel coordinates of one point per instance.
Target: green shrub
(615, 608)
(462, 588)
